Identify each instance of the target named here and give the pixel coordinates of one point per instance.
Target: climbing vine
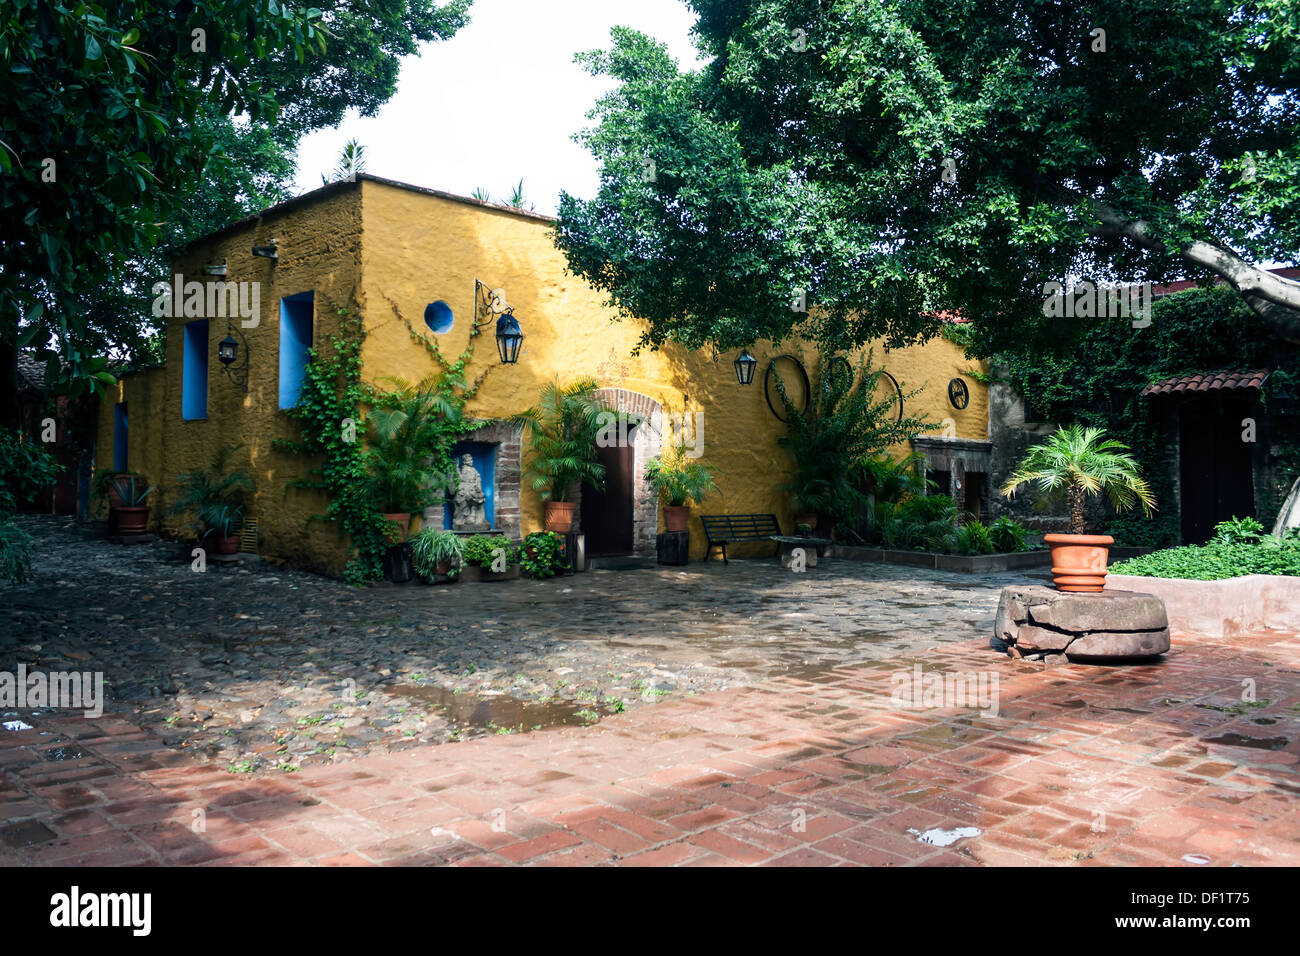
(331, 411)
(1097, 375)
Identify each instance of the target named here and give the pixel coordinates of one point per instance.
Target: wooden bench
(722, 530)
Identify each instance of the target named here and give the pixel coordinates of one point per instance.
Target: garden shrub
(1234, 551)
(547, 557)
(481, 550)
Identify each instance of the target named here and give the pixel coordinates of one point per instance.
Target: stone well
(1043, 623)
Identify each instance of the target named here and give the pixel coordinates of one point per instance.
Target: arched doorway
(623, 518)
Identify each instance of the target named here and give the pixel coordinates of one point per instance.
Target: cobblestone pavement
(1160, 764)
(259, 669)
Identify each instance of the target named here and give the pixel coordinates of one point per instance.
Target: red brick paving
(1081, 765)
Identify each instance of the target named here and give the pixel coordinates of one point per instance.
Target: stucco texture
(374, 245)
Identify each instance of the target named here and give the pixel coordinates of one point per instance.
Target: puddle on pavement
(1240, 740)
(493, 713)
(938, 837)
(63, 753)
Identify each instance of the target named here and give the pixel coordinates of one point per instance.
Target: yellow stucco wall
(371, 245)
(420, 248)
(319, 249)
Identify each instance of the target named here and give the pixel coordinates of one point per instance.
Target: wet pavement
(1187, 761)
(259, 669)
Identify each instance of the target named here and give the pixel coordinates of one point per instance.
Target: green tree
(117, 115)
(890, 159)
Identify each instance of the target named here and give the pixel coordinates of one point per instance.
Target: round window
(439, 317)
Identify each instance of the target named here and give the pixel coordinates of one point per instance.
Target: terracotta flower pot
(676, 517)
(559, 516)
(225, 544)
(1079, 560)
(400, 524)
(130, 520)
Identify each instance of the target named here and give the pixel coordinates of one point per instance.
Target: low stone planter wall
(975, 563)
(1245, 605)
(473, 574)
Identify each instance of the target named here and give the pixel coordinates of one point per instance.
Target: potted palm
(563, 426)
(678, 480)
(215, 495)
(436, 554)
(407, 424)
(846, 420)
(1079, 463)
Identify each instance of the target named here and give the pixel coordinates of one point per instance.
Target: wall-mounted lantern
(745, 365)
(267, 252)
(509, 338)
(509, 335)
(228, 354)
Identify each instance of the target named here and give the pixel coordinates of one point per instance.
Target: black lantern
(509, 338)
(227, 350)
(745, 365)
(228, 355)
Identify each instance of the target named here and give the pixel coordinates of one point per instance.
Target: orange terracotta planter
(400, 523)
(1079, 560)
(559, 516)
(676, 517)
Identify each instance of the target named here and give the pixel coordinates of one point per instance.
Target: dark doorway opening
(1214, 468)
(607, 514)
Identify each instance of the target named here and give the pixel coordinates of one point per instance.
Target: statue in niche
(468, 514)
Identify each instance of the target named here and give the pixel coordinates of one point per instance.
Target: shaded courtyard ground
(779, 742)
(262, 668)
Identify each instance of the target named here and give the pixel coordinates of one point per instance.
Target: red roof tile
(1207, 382)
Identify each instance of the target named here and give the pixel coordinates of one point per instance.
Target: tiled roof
(31, 373)
(1207, 382)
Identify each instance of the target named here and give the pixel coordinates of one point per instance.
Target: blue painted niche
(485, 460)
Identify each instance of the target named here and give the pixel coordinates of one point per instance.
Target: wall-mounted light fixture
(267, 252)
(745, 365)
(228, 354)
(215, 269)
(509, 335)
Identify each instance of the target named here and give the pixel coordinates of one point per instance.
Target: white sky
(499, 101)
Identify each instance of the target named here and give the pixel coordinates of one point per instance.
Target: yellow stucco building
(397, 254)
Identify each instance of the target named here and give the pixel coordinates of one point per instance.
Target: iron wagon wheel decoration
(839, 371)
(774, 381)
(958, 394)
(890, 390)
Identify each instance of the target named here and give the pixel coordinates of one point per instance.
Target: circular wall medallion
(958, 394)
(887, 388)
(795, 379)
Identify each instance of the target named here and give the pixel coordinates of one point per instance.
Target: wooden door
(607, 514)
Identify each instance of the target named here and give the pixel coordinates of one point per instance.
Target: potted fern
(562, 427)
(215, 495)
(678, 480)
(1079, 463)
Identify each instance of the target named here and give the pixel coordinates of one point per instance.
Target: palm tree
(564, 425)
(517, 200)
(1081, 462)
(214, 494)
(481, 194)
(411, 431)
(352, 162)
